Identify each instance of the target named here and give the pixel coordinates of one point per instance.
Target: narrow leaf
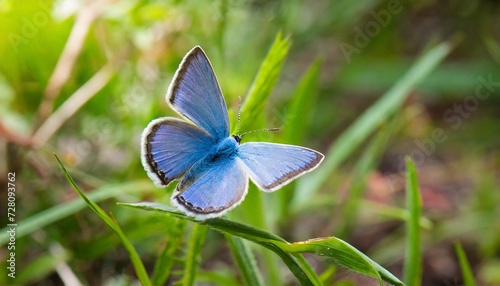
(165, 261)
(364, 166)
(193, 254)
(296, 263)
(296, 126)
(264, 82)
(301, 106)
(464, 265)
(370, 120)
(341, 252)
(413, 261)
(245, 261)
(56, 213)
(134, 256)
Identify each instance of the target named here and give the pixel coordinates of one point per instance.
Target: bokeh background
(83, 78)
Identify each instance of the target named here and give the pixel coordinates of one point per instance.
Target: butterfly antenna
(253, 131)
(260, 130)
(239, 113)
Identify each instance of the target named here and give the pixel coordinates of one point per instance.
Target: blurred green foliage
(114, 61)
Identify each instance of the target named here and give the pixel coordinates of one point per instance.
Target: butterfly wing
(170, 147)
(195, 94)
(270, 165)
(211, 188)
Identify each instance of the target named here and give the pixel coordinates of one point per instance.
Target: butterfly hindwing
(271, 165)
(170, 147)
(211, 188)
(195, 93)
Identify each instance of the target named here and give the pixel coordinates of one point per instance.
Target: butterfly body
(228, 147)
(212, 167)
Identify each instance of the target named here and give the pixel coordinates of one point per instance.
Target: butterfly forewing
(170, 147)
(271, 165)
(195, 93)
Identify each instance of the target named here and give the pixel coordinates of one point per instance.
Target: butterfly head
(237, 138)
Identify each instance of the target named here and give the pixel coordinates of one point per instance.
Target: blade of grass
(134, 256)
(217, 278)
(254, 211)
(297, 124)
(413, 261)
(301, 106)
(39, 268)
(328, 275)
(394, 213)
(364, 166)
(464, 265)
(245, 261)
(343, 254)
(193, 254)
(264, 82)
(331, 247)
(492, 47)
(165, 261)
(297, 264)
(49, 216)
(299, 267)
(370, 120)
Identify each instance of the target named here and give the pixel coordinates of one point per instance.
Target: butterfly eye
(237, 138)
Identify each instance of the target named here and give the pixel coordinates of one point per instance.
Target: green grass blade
(464, 265)
(298, 117)
(299, 267)
(193, 254)
(364, 166)
(40, 268)
(370, 120)
(245, 261)
(341, 252)
(492, 47)
(296, 126)
(328, 275)
(56, 213)
(254, 211)
(413, 261)
(395, 213)
(134, 256)
(165, 261)
(264, 82)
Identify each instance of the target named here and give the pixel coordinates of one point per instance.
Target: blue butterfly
(212, 166)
